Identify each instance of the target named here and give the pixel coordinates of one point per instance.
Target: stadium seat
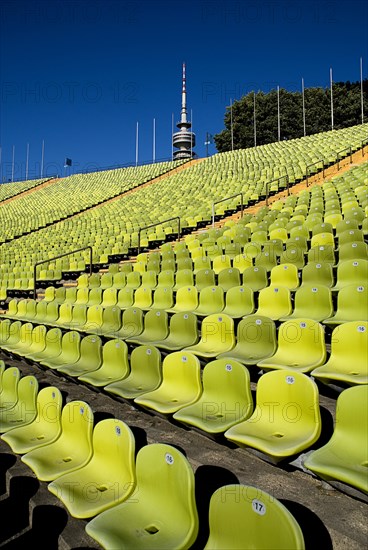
(347, 362)
(228, 278)
(311, 302)
(243, 516)
(255, 340)
(180, 386)
(255, 278)
(342, 462)
(70, 352)
(211, 300)
(24, 410)
(164, 515)
(44, 429)
(72, 450)
(352, 305)
(285, 275)
(217, 336)
(316, 274)
(9, 393)
(239, 302)
(186, 299)
(155, 328)
(274, 302)
(183, 332)
(131, 324)
(89, 360)
(204, 278)
(286, 420)
(350, 272)
(107, 479)
(145, 374)
(114, 365)
(226, 399)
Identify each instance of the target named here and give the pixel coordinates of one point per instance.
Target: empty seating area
(245, 339)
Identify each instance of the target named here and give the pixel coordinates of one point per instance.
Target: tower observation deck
(184, 140)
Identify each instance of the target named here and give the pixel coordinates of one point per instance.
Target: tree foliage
(347, 112)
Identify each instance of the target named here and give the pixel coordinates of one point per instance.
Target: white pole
(231, 124)
(331, 94)
(154, 140)
(278, 114)
(136, 144)
(27, 160)
(42, 157)
(172, 136)
(361, 88)
(303, 100)
(254, 120)
(12, 175)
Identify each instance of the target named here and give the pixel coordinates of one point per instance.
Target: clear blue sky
(79, 74)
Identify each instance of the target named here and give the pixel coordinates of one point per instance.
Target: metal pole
(42, 157)
(154, 140)
(191, 135)
(361, 88)
(254, 119)
(12, 174)
(231, 124)
(303, 101)
(331, 94)
(136, 144)
(172, 135)
(27, 160)
(278, 114)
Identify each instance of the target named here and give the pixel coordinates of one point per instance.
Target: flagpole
(136, 144)
(42, 157)
(303, 100)
(331, 94)
(278, 114)
(154, 140)
(27, 160)
(254, 119)
(231, 124)
(361, 88)
(12, 174)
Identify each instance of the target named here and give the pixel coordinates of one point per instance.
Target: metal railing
(307, 173)
(241, 195)
(339, 155)
(268, 184)
(57, 258)
(154, 225)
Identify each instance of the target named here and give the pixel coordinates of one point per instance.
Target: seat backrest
(77, 426)
(285, 274)
(302, 337)
(315, 273)
(115, 356)
(352, 404)
(14, 333)
(216, 328)
(156, 324)
(187, 298)
(145, 362)
(242, 516)
(255, 277)
(113, 449)
(184, 277)
(91, 350)
(125, 297)
(212, 298)
(10, 380)
(70, 346)
(256, 332)
(352, 302)
(349, 344)
(204, 277)
(132, 321)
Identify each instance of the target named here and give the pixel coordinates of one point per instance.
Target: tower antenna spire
(184, 140)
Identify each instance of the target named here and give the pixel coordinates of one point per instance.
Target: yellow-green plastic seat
(72, 449)
(9, 393)
(44, 429)
(184, 277)
(242, 262)
(186, 299)
(286, 420)
(111, 321)
(217, 336)
(220, 263)
(321, 254)
(183, 332)
(94, 320)
(21, 310)
(133, 280)
(166, 279)
(94, 297)
(2, 368)
(107, 479)
(142, 298)
(316, 274)
(79, 316)
(266, 259)
(149, 279)
(353, 251)
(342, 462)
(322, 239)
(225, 401)
(352, 305)
(13, 308)
(293, 254)
(125, 298)
(131, 324)
(52, 349)
(161, 512)
(181, 384)
(82, 296)
(350, 236)
(69, 352)
(24, 341)
(243, 516)
(106, 281)
(163, 298)
(37, 343)
(89, 360)
(119, 280)
(4, 330)
(311, 302)
(24, 410)
(239, 302)
(350, 272)
(13, 335)
(255, 340)
(211, 300)
(229, 278)
(109, 297)
(204, 278)
(347, 362)
(145, 374)
(285, 275)
(71, 295)
(156, 328)
(300, 346)
(274, 302)
(114, 365)
(65, 315)
(255, 278)
(252, 249)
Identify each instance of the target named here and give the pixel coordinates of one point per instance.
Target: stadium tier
(242, 344)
